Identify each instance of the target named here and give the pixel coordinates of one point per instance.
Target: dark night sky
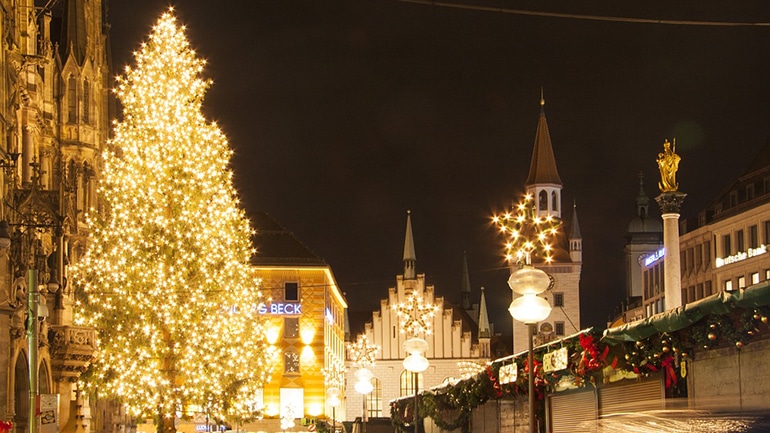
(345, 114)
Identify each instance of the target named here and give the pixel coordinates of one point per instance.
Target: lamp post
(530, 309)
(334, 379)
(363, 353)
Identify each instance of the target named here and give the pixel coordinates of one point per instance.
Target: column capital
(670, 202)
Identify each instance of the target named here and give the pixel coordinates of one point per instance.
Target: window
(753, 237)
(374, 399)
(728, 285)
(698, 257)
(86, 102)
(554, 202)
(290, 362)
(754, 277)
(72, 100)
(407, 383)
(707, 254)
(742, 282)
(709, 291)
(766, 234)
(750, 192)
(726, 250)
(684, 296)
(699, 291)
(739, 245)
(291, 292)
(543, 201)
(559, 327)
(558, 299)
(691, 294)
(291, 327)
(767, 274)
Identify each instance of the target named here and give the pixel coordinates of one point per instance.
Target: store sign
(281, 308)
(751, 252)
(555, 361)
(654, 257)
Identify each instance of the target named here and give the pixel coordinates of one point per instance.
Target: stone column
(670, 203)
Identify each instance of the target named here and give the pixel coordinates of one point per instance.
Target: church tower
(644, 236)
(544, 184)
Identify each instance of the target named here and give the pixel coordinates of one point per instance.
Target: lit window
(291, 327)
(728, 285)
(407, 383)
(741, 282)
(374, 399)
(291, 362)
(755, 278)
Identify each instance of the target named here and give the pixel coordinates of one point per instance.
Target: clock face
(546, 328)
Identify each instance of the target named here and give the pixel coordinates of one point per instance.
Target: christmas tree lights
(166, 278)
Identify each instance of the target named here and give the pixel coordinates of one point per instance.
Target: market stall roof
(751, 297)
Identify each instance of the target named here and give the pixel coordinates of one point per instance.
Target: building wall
(451, 341)
(707, 267)
(318, 341)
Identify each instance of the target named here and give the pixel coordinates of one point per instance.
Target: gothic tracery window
(72, 100)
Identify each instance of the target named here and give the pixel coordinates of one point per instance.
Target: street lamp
(334, 379)
(416, 319)
(363, 353)
(529, 308)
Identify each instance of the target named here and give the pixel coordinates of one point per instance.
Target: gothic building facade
(458, 341)
(54, 120)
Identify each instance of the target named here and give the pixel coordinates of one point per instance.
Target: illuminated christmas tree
(166, 278)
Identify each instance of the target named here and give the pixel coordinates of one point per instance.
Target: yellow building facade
(305, 317)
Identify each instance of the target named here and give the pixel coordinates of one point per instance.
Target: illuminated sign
(281, 308)
(654, 257)
(329, 317)
(751, 252)
(555, 361)
(508, 373)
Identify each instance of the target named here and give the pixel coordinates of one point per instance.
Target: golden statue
(668, 162)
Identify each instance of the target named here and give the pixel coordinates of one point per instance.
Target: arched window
(374, 399)
(86, 101)
(542, 201)
(407, 383)
(554, 202)
(72, 100)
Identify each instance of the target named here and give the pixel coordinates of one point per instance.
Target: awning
(752, 297)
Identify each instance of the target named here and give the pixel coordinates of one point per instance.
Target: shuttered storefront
(629, 396)
(571, 412)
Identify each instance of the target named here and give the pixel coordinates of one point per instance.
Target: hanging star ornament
(527, 234)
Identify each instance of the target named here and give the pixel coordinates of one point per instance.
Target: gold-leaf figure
(668, 162)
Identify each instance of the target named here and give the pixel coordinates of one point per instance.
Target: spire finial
(409, 256)
(542, 99)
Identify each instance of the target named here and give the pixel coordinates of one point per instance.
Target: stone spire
(642, 201)
(409, 256)
(465, 285)
(543, 181)
(575, 239)
(485, 331)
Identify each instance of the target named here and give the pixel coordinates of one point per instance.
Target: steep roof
(542, 168)
(278, 246)
(74, 31)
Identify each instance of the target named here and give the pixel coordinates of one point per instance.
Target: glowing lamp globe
(415, 345)
(416, 363)
(529, 280)
(529, 309)
(363, 387)
(364, 374)
(333, 401)
(333, 392)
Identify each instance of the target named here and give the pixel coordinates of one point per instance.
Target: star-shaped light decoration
(526, 233)
(363, 352)
(334, 376)
(415, 315)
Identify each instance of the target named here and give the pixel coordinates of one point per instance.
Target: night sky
(345, 114)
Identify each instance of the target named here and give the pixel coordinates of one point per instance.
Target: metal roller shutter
(632, 397)
(573, 412)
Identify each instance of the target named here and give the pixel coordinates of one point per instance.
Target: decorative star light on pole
(415, 316)
(527, 234)
(363, 352)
